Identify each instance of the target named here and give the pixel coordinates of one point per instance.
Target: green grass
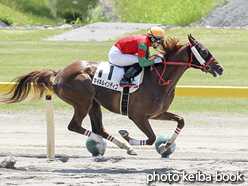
(23, 12)
(180, 12)
(20, 54)
(28, 34)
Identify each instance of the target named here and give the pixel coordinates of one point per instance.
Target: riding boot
(130, 73)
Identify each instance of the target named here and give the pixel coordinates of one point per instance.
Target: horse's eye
(204, 53)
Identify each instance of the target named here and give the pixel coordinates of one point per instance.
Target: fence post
(50, 126)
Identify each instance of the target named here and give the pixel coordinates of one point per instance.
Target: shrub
(71, 10)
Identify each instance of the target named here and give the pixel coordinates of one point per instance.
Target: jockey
(134, 51)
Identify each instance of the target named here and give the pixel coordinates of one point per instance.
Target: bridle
(194, 57)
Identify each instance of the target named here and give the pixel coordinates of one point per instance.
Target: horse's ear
(191, 39)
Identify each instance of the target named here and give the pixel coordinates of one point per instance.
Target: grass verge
(180, 12)
(26, 12)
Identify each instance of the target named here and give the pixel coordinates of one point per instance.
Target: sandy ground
(208, 145)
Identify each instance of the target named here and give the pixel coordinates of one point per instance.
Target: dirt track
(208, 143)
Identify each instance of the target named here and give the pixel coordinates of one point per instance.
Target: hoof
(131, 152)
(102, 148)
(123, 133)
(162, 148)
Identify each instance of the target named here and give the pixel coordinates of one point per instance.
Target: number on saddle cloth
(109, 76)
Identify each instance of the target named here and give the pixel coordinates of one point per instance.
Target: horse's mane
(170, 46)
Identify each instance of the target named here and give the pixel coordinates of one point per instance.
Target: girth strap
(124, 101)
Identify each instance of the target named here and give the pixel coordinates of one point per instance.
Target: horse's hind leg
(81, 108)
(75, 126)
(73, 85)
(95, 114)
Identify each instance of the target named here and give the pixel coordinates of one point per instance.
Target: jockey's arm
(143, 55)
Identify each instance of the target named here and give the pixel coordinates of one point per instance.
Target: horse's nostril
(221, 69)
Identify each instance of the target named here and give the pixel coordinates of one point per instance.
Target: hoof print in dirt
(8, 163)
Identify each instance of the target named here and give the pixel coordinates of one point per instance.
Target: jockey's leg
(130, 73)
(118, 58)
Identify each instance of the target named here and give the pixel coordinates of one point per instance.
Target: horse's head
(201, 58)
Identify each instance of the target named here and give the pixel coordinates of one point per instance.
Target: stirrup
(133, 85)
(126, 82)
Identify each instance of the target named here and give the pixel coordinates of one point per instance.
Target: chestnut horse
(73, 84)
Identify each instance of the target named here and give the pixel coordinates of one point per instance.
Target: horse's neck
(175, 72)
(165, 93)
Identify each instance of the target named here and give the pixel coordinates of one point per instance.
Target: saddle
(109, 75)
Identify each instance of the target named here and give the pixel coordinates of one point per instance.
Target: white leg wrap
(137, 142)
(101, 145)
(110, 138)
(174, 135)
(122, 145)
(94, 136)
(117, 142)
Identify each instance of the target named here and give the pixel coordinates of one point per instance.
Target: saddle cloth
(109, 76)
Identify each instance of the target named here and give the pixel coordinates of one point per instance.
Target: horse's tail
(39, 80)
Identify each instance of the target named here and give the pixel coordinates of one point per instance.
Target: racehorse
(73, 84)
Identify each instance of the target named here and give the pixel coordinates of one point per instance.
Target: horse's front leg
(180, 124)
(143, 124)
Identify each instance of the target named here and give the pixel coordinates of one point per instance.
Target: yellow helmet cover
(156, 32)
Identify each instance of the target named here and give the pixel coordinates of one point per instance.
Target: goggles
(159, 41)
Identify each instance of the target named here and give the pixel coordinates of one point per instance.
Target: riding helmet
(156, 32)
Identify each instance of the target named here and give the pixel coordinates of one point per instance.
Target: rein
(190, 64)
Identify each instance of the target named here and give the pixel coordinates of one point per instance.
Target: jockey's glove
(158, 60)
(160, 55)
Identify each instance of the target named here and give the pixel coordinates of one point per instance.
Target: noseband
(194, 57)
